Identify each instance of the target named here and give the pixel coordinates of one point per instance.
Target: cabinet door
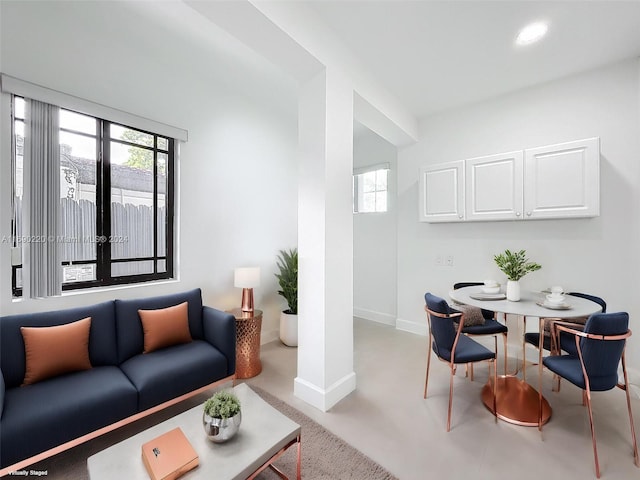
(563, 180)
(493, 186)
(441, 192)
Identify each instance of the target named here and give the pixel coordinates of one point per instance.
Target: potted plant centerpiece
(515, 266)
(288, 280)
(221, 416)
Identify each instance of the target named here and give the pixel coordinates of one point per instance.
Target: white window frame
(358, 188)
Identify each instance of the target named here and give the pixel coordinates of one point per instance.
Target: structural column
(325, 241)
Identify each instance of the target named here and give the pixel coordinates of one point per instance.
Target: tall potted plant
(515, 265)
(287, 276)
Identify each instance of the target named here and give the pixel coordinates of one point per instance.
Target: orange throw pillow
(52, 351)
(165, 327)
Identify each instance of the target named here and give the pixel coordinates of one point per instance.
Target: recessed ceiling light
(531, 33)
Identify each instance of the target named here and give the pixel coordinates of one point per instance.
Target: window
(116, 201)
(370, 191)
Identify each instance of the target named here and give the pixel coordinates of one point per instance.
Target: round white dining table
(516, 401)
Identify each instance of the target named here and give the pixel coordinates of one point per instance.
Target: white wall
(374, 238)
(238, 171)
(597, 255)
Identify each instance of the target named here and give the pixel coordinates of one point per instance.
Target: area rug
(324, 455)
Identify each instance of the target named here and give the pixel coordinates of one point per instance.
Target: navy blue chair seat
(491, 325)
(600, 348)
(451, 346)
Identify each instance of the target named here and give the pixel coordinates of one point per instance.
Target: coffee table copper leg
(276, 470)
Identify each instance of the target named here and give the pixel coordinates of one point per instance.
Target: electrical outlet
(439, 260)
(449, 260)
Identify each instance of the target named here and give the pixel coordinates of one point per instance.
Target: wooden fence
(131, 234)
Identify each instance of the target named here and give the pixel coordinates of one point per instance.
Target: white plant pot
(513, 290)
(289, 329)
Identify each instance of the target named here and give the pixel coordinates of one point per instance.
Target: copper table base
(248, 327)
(516, 401)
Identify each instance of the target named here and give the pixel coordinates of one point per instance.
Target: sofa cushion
(46, 414)
(102, 337)
(52, 351)
(129, 327)
(170, 372)
(165, 327)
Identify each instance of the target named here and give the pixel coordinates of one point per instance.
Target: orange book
(169, 456)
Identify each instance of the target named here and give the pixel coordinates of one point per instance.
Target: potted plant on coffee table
(515, 265)
(221, 416)
(287, 276)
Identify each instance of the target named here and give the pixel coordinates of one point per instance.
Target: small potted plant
(515, 266)
(288, 280)
(221, 416)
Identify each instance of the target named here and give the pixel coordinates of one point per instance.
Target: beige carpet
(324, 455)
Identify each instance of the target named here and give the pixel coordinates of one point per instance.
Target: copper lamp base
(247, 300)
(516, 401)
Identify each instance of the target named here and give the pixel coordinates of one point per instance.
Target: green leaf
(515, 265)
(287, 263)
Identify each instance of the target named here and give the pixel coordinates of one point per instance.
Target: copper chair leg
(593, 433)
(504, 338)
(453, 372)
(636, 460)
(495, 378)
(524, 351)
(426, 381)
(471, 370)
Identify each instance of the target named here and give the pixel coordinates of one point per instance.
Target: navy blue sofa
(122, 384)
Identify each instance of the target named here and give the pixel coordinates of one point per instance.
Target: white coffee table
(264, 435)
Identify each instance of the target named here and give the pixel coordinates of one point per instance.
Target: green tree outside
(140, 157)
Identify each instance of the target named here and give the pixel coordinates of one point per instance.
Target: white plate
(555, 306)
(488, 296)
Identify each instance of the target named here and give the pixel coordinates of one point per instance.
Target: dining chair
(491, 325)
(600, 348)
(563, 342)
(450, 345)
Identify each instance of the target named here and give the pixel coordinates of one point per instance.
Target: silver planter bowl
(220, 430)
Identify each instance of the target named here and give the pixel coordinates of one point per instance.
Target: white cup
(555, 298)
(557, 290)
(490, 283)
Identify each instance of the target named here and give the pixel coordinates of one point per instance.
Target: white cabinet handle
(517, 214)
(459, 216)
(528, 214)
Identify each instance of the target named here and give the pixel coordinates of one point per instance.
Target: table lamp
(247, 278)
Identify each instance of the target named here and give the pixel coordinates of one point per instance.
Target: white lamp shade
(248, 277)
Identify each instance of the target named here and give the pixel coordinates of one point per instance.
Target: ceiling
(438, 55)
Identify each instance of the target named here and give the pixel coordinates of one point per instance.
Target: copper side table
(248, 327)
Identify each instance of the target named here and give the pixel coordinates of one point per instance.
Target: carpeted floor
(324, 455)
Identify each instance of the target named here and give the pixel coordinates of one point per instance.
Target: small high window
(370, 191)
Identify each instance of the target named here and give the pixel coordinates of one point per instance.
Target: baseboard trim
(374, 316)
(411, 326)
(324, 399)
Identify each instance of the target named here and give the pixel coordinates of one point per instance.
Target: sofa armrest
(220, 331)
(1, 393)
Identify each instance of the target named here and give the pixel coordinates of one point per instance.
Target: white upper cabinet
(493, 187)
(442, 192)
(563, 180)
(556, 181)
